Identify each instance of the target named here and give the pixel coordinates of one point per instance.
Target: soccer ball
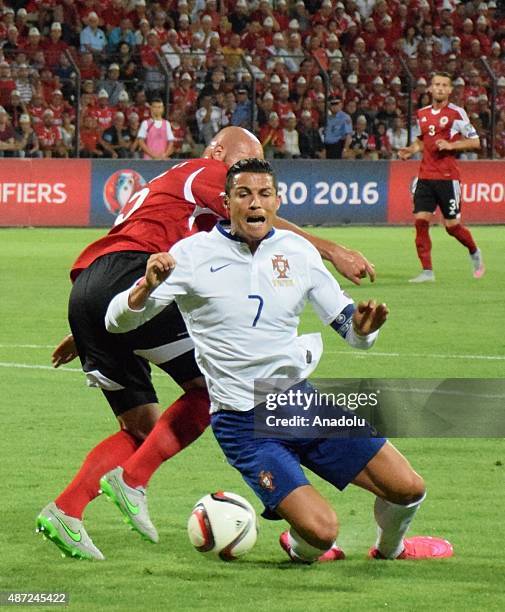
(223, 525)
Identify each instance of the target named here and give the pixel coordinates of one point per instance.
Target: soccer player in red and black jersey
(186, 198)
(445, 130)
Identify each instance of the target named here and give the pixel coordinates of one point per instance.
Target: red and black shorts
(119, 363)
(445, 194)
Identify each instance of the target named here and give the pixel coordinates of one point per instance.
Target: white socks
(301, 549)
(393, 520)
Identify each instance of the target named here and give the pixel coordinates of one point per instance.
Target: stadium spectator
(291, 137)
(36, 108)
(338, 130)
(26, 139)
(33, 45)
(7, 135)
(128, 66)
(54, 46)
(185, 95)
(7, 83)
(144, 27)
(116, 140)
(389, 112)
(241, 116)
(12, 44)
(92, 38)
(67, 131)
(272, 138)
(310, 142)
(239, 17)
(397, 136)
(88, 68)
(123, 33)
(208, 118)
(233, 52)
(378, 143)
(154, 78)
(49, 135)
(112, 85)
(357, 146)
(184, 145)
(90, 138)
(102, 112)
(155, 137)
(133, 129)
(172, 50)
(15, 108)
(141, 106)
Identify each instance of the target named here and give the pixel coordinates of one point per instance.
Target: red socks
(461, 233)
(110, 453)
(181, 423)
(423, 243)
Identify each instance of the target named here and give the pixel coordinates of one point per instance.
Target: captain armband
(343, 321)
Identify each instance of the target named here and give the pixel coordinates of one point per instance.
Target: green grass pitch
(50, 419)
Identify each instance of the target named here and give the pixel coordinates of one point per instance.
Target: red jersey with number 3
(175, 204)
(447, 123)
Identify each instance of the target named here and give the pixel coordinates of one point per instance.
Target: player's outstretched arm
(134, 307)
(65, 352)
(369, 317)
(158, 269)
(465, 144)
(353, 265)
(407, 152)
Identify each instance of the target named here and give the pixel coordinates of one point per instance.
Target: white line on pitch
(330, 352)
(432, 355)
(32, 366)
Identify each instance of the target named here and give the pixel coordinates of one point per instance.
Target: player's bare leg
(314, 526)
(457, 230)
(423, 247)
(399, 492)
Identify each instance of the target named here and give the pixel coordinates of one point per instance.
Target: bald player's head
(232, 144)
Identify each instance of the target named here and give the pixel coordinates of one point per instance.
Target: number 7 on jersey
(260, 307)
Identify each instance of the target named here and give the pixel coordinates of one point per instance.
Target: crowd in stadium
(328, 77)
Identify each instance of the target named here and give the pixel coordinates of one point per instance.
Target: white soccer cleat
(67, 532)
(131, 502)
(426, 276)
(479, 269)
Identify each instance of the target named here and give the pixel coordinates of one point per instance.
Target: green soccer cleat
(67, 533)
(132, 503)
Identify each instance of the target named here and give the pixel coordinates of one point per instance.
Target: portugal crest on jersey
(281, 269)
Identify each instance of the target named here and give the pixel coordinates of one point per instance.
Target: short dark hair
(442, 73)
(157, 101)
(254, 165)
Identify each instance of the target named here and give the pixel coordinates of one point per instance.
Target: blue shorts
(272, 467)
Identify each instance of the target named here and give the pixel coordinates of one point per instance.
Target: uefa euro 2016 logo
(119, 188)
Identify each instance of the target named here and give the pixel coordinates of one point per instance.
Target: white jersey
(242, 310)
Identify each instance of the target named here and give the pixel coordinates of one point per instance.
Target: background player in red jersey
(445, 131)
(182, 200)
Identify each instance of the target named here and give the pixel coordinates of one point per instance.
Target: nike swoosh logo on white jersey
(212, 269)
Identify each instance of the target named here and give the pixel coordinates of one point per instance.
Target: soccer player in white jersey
(445, 130)
(244, 325)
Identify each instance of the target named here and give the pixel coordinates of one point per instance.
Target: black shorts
(119, 363)
(432, 193)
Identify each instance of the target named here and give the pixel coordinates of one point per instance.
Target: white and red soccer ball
(223, 525)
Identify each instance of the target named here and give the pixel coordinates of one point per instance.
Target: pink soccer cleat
(335, 553)
(420, 547)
